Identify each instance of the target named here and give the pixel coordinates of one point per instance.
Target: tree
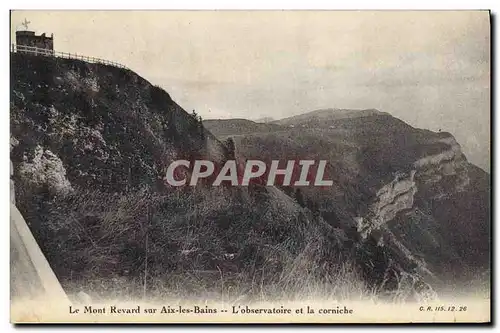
(229, 143)
(200, 127)
(299, 197)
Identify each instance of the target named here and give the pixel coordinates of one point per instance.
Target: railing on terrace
(50, 53)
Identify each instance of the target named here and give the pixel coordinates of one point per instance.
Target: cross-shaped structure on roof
(25, 23)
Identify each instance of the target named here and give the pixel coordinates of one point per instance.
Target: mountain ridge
(391, 171)
(89, 145)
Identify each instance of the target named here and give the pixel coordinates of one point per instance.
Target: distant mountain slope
(407, 189)
(325, 116)
(264, 120)
(225, 127)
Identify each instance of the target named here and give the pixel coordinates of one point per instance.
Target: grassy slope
(89, 144)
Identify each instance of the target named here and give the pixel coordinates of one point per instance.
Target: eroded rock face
(390, 200)
(45, 169)
(422, 215)
(429, 173)
(445, 172)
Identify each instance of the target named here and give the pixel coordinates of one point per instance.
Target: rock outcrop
(391, 199)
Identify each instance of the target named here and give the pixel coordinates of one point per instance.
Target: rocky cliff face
(432, 180)
(450, 163)
(428, 174)
(391, 199)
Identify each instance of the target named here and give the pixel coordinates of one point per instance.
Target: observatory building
(29, 38)
(28, 41)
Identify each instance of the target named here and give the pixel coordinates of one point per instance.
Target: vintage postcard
(250, 167)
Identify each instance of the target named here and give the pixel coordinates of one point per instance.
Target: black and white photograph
(250, 166)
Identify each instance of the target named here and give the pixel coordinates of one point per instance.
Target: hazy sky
(430, 69)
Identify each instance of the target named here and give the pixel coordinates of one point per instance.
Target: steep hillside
(410, 191)
(102, 126)
(89, 148)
